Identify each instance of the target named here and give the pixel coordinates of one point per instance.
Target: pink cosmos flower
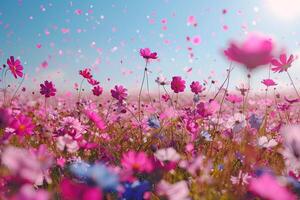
(177, 84)
(268, 82)
(283, 63)
(196, 87)
(96, 119)
(97, 90)
(22, 125)
(267, 187)
(241, 178)
(168, 157)
(147, 54)
(28, 192)
(166, 97)
(255, 51)
(48, 89)
(176, 191)
(207, 109)
(70, 190)
(93, 82)
(119, 92)
(15, 67)
(30, 165)
(232, 98)
(86, 73)
(137, 161)
(67, 142)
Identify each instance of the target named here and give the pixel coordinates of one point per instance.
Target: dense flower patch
(116, 145)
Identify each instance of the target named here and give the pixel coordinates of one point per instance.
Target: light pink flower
(267, 187)
(255, 51)
(176, 191)
(93, 116)
(137, 161)
(232, 98)
(283, 63)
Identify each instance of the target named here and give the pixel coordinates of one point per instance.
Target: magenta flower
(177, 84)
(137, 161)
(166, 97)
(268, 82)
(255, 51)
(97, 90)
(70, 190)
(283, 63)
(147, 54)
(93, 82)
(207, 109)
(48, 89)
(232, 98)
(15, 67)
(22, 125)
(119, 92)
(268, 187)
(93, 116)
(196, 87)
(86, 73)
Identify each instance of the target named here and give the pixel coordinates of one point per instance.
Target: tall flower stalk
(147, 55)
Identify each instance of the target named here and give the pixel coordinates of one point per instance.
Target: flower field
(109, 144)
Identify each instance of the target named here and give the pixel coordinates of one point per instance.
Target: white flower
(168, 154)
(266, 143)
(67, 141)
(176, 191)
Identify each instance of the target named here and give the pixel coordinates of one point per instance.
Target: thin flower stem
(108, 110)
(5, 87)
(15, 93)
(293, 84)
(148, 90)
(140, 93)
(227, 77)
(80, 88)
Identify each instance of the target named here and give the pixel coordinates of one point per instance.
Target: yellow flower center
(22, 127)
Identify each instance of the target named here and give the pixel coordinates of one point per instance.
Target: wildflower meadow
(168, 136)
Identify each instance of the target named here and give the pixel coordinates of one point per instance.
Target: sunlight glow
(284, 9)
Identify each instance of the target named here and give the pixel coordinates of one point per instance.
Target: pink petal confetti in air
(188, 69)
(38, 46)
(44, 64)
(191, 21)
(225, 27)
(151, 21)
(224, 11)
(164, 21)
(78, 12)
(196, 40)
(47, 32)
(65, 30)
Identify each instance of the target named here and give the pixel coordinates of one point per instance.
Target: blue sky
(111, 32)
